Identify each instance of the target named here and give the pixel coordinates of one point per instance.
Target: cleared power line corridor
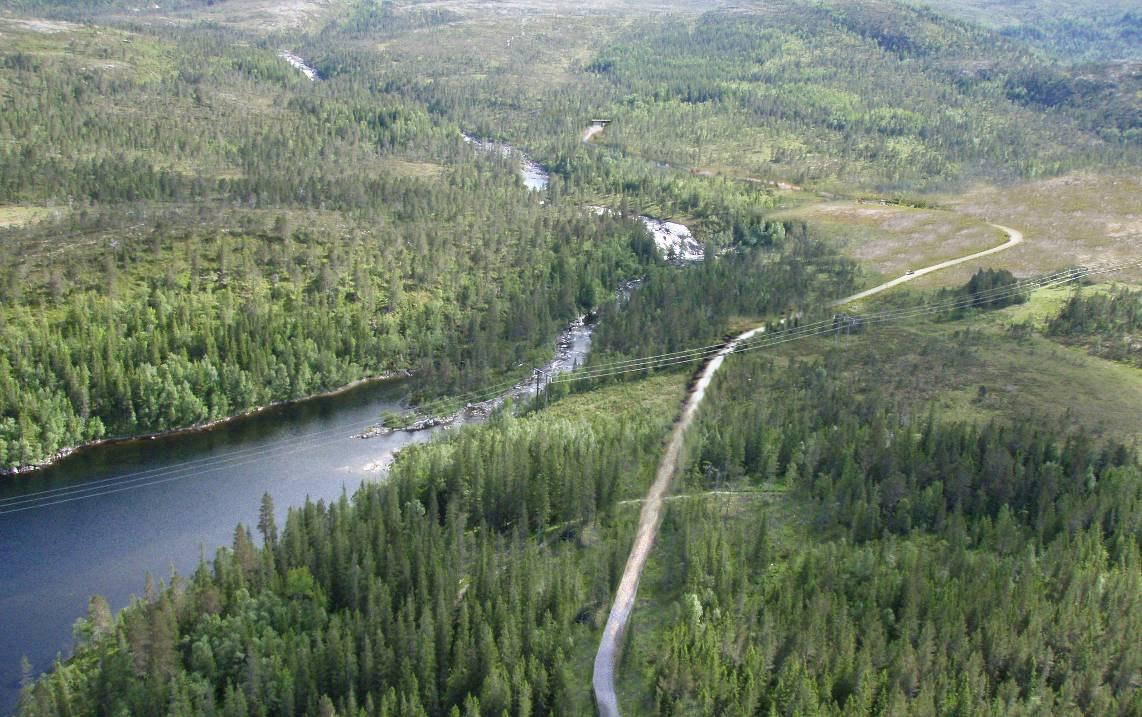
(648, 522)
(603, 678)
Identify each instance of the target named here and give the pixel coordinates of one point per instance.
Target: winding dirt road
(603, 679)
(1013, 237)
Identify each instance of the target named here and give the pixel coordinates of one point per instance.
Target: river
(98, 520)
(675, 242)
(534, 176)
(300, 65)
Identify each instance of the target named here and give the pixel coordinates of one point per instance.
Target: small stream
(534, 176)
(675, 241)
(300, 64)
(571, 349)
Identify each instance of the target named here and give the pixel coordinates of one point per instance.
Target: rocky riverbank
(299, 63)
(571, 347)
(534, 176)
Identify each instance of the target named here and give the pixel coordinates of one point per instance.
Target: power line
(829, 325)
(209, 464)
(644, 363)
(204, 464)
(246, 456)
(175, 474)
(991, 295)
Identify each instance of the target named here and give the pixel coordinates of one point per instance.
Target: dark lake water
(98, 520)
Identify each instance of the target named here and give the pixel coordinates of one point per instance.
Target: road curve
(603, 679)
(1013, 237)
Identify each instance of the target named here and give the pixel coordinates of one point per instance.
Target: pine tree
(267, 524)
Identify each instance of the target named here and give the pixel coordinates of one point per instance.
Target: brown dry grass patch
(1079, 219)
(888, 239)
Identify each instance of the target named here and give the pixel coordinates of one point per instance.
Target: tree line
(902, 563)
(462, 585)
(219, 255)
(1108, 323)
(677, 309)
(189, 326)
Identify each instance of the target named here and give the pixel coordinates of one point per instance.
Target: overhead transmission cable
(200, 465)
(674, 358)
(143, 474)
(208, 464)
(176, 473)
(826, 326)
(245, 456)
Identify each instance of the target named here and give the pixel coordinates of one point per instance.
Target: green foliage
(251, 252)
(910, 565)
(915, 566)
(988, 288)
(189, 117)
(908, 521)
(873, 94)
(675, 309)
(868, 93)
(1105, 30)
(1109, 324)
(247, 318)
(467, 578)
(235, 235)
(287, 236)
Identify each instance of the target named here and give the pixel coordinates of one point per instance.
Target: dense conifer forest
(933, 521)
(221, 258)
(287, 237)
(928, 566)
(939, 568)
(676, 310)
(1109, 324)
(239, 318)
(465, 582)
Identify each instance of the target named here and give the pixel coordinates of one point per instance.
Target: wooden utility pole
(540, 373)
(546, 388)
